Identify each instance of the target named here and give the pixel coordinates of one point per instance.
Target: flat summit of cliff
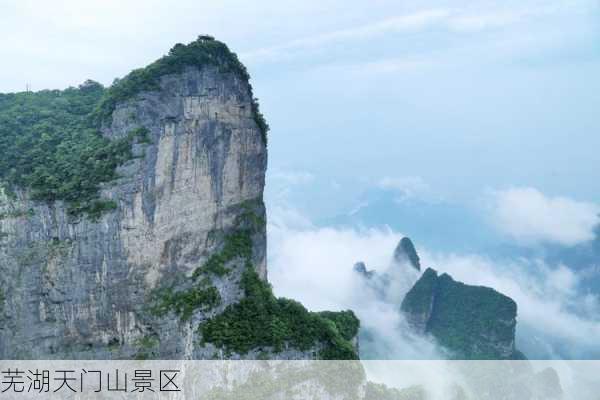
(204, 51)
(53, 142)
(472, 322)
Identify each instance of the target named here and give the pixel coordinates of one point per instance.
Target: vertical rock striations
(181, 241)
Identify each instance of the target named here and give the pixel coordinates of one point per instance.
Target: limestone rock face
(393, 282)
(471, 322)
(78, 288)
(418, 303)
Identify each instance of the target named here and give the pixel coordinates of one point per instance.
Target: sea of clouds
(556, 318)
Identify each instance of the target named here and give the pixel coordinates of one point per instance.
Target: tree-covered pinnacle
(406, 248)
(472, 322)
(50, 140)
(199, 53)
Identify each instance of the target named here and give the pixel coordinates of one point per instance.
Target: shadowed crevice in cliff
(219, 137)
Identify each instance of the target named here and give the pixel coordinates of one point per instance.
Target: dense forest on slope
(50, 147)
(51, 142)
(261, 319)
(473, 322)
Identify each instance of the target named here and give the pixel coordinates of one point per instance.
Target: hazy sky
(461, 95)
(472, 102)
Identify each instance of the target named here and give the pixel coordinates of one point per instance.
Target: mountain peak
(471, 322)
(405, 252)
(203, 52)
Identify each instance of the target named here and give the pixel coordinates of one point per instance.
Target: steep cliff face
(187, 228)
(471, 322)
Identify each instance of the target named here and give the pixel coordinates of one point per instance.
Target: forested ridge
(50, 147)
(50, 140)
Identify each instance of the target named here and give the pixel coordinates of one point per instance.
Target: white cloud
(549, 303)
(530, 217)
(66, 41)
(314, 266)
(393, 65)
(457, 19)
(293, 177)
(415, 21)
(406, 186)
(285, 218)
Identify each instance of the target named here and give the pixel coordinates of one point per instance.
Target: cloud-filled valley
(558, 315)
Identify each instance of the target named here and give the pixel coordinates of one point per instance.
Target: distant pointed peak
(405, 251)
(361, 268)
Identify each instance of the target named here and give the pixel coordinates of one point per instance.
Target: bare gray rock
(81, 288)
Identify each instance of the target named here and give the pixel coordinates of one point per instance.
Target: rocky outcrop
(419, 301)
(361, 269)
(471, 322)
(405, 252)
(391, 284)
(189, 222)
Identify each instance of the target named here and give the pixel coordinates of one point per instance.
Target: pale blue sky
(462, 95)
(429, 112)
